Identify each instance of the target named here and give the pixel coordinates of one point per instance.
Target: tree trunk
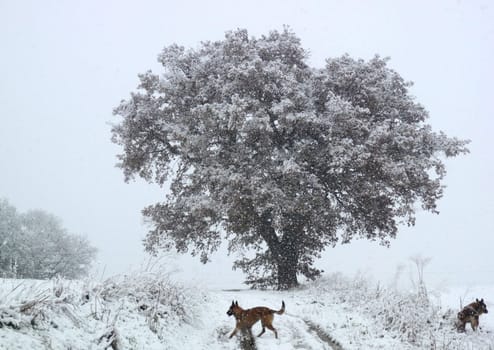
(287, 259)
(285, 251)
(287, 271)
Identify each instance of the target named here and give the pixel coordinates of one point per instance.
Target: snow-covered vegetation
(125, 312)
(148, 310)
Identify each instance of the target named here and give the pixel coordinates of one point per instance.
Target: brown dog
(471, 313)
(247, 318)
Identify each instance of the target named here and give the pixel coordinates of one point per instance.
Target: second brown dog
(470, 314)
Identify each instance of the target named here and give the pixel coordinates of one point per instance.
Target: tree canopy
(278, 158)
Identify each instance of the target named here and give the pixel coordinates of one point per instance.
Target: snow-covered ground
(149, 311)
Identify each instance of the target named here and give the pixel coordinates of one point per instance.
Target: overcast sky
(64, 65)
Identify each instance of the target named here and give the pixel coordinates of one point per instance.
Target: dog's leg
(475, 323)
(234, 332)
(273, 329)
(461, 327)
(262, 332)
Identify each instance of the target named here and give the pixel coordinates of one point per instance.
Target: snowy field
(149, 311)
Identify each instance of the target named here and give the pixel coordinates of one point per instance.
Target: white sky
(64, 65)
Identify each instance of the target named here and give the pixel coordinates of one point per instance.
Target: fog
(65, 65)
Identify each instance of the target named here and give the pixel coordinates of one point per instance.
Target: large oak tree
(278, 158)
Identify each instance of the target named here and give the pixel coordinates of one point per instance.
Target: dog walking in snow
(247, 318)
(471, 313)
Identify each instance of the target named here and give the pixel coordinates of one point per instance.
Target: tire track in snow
(304, 334)
(325, 337)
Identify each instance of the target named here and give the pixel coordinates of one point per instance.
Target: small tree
(277, 156)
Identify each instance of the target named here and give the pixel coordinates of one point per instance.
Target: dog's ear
(482, 300)
(236, 303)
(476, 300)
(233, 303)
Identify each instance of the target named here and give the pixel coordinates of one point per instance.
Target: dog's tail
(282, 310)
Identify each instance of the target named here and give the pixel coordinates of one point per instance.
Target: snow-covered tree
(9, 227)
(49, 250)
(279, 158)
(35, 245)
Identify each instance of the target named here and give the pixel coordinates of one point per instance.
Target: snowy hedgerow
(137, 311)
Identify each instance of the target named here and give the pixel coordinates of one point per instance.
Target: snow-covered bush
(152, 294)
(34, 304)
